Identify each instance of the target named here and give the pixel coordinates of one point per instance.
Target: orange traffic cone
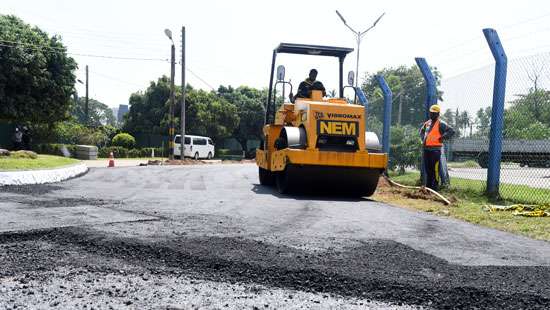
(111, 160)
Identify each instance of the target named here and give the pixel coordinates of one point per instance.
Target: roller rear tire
(283, 182)
(266, 177)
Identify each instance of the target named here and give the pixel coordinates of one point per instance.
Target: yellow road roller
(315, 143)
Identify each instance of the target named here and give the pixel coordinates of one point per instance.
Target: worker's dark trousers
(431, 166)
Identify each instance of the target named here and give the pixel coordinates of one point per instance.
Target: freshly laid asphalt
(210, 236)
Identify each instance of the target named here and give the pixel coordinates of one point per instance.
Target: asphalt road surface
(533, 177)
(210, 237)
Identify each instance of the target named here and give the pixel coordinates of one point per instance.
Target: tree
(405, 148)
(98, 113)
(528, 117)
(250, 105)
(465, 121)
(448, 117)
(149, 110)
(207, 114)
(36, 75)
(408, 82)
(210, 115)
(483, 122)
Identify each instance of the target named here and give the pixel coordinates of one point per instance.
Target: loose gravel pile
(33, 265)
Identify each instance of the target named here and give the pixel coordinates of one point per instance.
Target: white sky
(230, 42)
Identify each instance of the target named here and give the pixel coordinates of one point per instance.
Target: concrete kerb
(28, 177)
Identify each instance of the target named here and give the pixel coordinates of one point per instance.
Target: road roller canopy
(304, 49)
(315, 50)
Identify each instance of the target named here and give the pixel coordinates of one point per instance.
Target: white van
(195, 146)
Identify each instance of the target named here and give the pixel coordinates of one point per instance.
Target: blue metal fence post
(364, 101)
(386, 91)
(497, 116)
(430, 99)
(431, 96)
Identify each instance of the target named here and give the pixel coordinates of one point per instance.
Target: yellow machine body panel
(359, 159)
(332, 118)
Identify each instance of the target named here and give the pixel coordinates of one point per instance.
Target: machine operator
(309, 84)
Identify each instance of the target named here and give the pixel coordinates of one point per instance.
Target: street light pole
(182, 93)
(172, 96)
(359, 35)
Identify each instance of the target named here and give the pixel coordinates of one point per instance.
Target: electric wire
(14, 44)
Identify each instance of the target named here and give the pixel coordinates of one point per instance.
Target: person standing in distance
(433, 132)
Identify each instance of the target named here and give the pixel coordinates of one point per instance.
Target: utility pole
(399, 117)
(182, 121)
(172, 100)
(358, 35)
(86, 109)
(172, 96)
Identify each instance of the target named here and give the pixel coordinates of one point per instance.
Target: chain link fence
(525, 161)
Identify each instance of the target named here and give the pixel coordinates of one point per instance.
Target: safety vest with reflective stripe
(433, 135)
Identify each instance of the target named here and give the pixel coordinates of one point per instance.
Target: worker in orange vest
(433, 132)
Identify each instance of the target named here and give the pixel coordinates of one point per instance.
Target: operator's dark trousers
(431, 166)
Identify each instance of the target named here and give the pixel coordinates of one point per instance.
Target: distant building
(115, 113)
(122, 110)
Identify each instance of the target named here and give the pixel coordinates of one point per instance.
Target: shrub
(93, 137)
(66, 150)
(222, 152)
(124, 140)
(405, 148)
(70, 132)
(118, 152)
(134, 153)
(250, 154)
(24, 154)
(146, 152)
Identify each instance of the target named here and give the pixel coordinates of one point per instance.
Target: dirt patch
(179, 162)
(411, 199)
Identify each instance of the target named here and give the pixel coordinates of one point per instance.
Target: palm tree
(465, 121)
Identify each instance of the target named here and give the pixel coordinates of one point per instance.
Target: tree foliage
(483, 122)
(206, 113)
(124, 140)
(249, 102)
(210, 115)
(149, 109)
(72, 132)
(36, 75)
(528, 117)
(408, 88)
(98, 113)
(405, 150)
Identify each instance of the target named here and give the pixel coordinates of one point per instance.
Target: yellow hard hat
(435, 108)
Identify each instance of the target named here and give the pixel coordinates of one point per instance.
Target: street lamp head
(341, 17)
(80, 81)
(168, 33)
(378, 19)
